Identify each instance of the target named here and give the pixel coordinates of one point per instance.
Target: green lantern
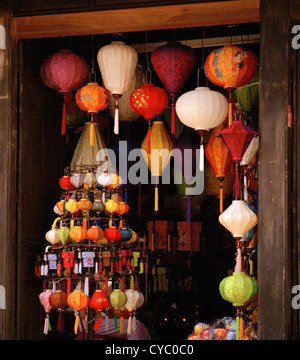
(238, 288)
(117, 300)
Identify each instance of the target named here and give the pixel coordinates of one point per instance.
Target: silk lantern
(117, 62)
(237, 138)
(230, 66)
(202, 109)
(117, 299)
(110, 207)
(58, 300)
(77, 300)
(219, 157)
(112, 234)
(77, 233)
(132, 300)
(92, 98)
(122, 210)
(99, 302)
(63, 234)
(149, 101)
(160, 154)
(104, 179)
(173, 62)
(65, 183)
(44, 299)
(64, 72)
(95, 233)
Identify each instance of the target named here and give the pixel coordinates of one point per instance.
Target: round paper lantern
(202, 109)
(77, 233)
(126, 234)
(122, 209)
(92, 98)
(77, 300)
(132, 300)
(117, 300)
(64, 72)
(173, 63)
(116, 182)
(63, 234)
(159, 156)
(99, 302)
(58, 300)
(238, 288)
(149, 101)
(230, 67)
(77, 179)
(94, 233)
(238, 219)
(110, 207)
(219, 157)
(53, 237)
(44, 299)
(117, 62)
(90, 180)
(65, 183)
(71, 206)
(84, 205)
(112, 234)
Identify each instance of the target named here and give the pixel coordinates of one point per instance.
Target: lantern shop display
(99, 302)
(202, 109)
(149, 101)
(44, 299)
(117, 62)
(173, 62)
(64, 72)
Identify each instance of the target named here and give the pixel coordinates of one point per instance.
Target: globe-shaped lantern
(219, 157)
(44, 299)
(202, 109)
(122, 210)
(173, 62)
(92, 98)
(111, 206)
(99, 302)
(230, 66)
(104, 179)
(65, 183)
(63, 234)
(77, 233)
(64, 72)
(149, 101)
(117, 62)
(58, 300)
(132, 300)
(238, 288)
(112, 234)
(117, 300)
(95, 233)
(77, 300)
(160, 154)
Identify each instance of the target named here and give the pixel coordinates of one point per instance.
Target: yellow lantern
(111, 206)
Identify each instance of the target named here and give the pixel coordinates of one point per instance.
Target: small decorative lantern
(63, 234)
(117, 300)
(65, 183)
(95, 233)
(44, 299)
(77, 300)
(111, 206)
(112, 234)
(77, 233)
(58, 300)
(122, 210)
(99, 302)
(117, 62)
(132, 300)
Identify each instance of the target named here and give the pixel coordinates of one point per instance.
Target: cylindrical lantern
(117, 62)
(202, 109)
(99, 302)
(77, 300)
(64, 72)
(173, 63)
(148, 101)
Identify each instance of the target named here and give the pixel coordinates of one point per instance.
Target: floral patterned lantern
(58, 300)
(99, 302)
(44, 299)
(92, 98)
(230, 66)
(173, 63)
(64, 72)
(149, 101)
(202, 109)
(117, 62)
(77, 300)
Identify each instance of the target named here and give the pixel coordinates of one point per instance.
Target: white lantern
(139, 303)
(52, 237)
(238, 219)
(132, 299)
(117, 62)
(202, 109)
(77, 179)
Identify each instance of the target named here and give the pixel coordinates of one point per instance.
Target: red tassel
(136, 284)
(63, 121)
(123, 283)
(149, 140)
(98, 322)
(59, 322)
(173, 116)
(237, 181)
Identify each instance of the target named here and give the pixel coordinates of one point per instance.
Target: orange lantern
(77, 300)
(94, 233)
(78, 233)
(84, 205)
(99, 302)
(231, 66)
(92, 98)
(219, 157)
(123, 208)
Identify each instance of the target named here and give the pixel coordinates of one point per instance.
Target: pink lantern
(64, 72)
(44, 299)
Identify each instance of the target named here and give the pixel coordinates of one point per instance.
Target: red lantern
(58, 300)
(231, 67)
(237, 138)
(219, 157)
(65, 183)
(149, 101)
(112, 234)
(64, 72)
(92, 98)
(173, 63)
(99, 302)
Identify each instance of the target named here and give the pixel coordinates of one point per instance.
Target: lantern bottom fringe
(156, 198)
(116, 322)
(92, 134)
(63, 121)
(121, 325)
(76, 324)
(98, 322)
(58, 327)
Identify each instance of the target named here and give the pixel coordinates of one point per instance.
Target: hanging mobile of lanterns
(230, 67)
(202, 109)
(162, 143)
(58, 300)
(64, 72)
(99, 302)
(173, 62)
(44, 299)
(77, 300)
(219, 157)
(92, 98)
(117, 62)
(149, 101)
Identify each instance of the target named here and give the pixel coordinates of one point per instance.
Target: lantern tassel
(46, 325)
(64, 115)
(129, 325)
(173, 116)
(134, 323)
(116, 322)
(237, 181)
(149, 139)
(230, 111)
(245, 185)
(76, 324)
(58, 327)
(92, 131)
(221, 197)
(116, 124)
(98, 322)
(156, 198)
(241, 328)
(121, 324)
(106, 322)
(237, 328)
(238, 266)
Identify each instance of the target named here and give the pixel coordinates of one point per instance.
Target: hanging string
(148, 70)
